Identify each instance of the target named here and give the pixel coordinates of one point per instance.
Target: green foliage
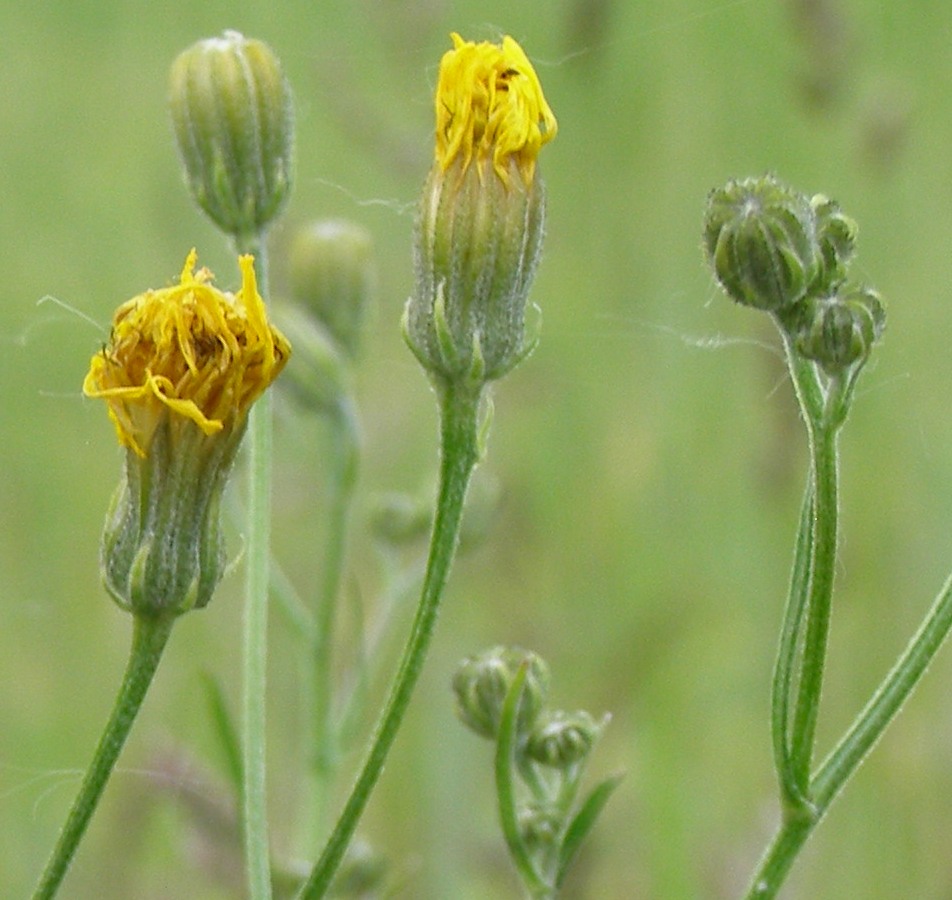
(650, 487)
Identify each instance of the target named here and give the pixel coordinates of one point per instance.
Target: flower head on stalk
(182, 368)
(479, 230)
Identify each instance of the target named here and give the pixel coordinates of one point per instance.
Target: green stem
(255, 639)
(856, 744)
(149, 637)
(504, 766)
(459, 454)
(895, 689)
(822, 564)
(325, 733)
(779, 858)
(791, 792)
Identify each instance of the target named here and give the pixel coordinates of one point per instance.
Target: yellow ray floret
(489, 106)
(192, 351)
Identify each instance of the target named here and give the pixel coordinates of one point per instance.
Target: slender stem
(779, 858)
(822, 563)
(255, 639)
(791, 792)
(459, 454)
(504, 764)
(895, 689)
(149, 637)
(856, 744)
(324, 736)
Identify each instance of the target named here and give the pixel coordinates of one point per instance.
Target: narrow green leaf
(505, 789)
(583, 821)
(223, 725)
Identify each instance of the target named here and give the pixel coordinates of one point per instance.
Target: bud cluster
(501, 695)
(775, 249)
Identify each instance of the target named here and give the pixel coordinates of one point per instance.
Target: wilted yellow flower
(489, 106)
(182, 367)
(192, 351)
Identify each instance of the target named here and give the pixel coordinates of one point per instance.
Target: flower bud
(560, 739)
(761, 241)
(836, 234)
(401, 519)
(479, 230)
(540, 827)
(182, 367)
(331, 274)
(231, 110)
(839, 330)
(482, 682)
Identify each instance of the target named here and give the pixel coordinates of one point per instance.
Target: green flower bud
(836, 234)
(231, 110)
(540, 828)
(839, 330)
(331, 273)
(560, 739)
(482, 682)
(477, 247)
(479, 230)
(760, 239)
(400, 519)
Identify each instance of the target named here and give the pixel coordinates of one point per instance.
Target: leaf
(225, 731)
(583, 821)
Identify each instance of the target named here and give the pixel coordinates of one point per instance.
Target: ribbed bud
(560, 739)
(836, 234)
(482, 682)
(162, 548)
(761, 242)
(331, 273)
(231, 110)
(478, 243)
(839, 330)
(540, 828)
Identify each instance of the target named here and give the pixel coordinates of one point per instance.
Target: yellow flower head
(489, 106)
(190, 351)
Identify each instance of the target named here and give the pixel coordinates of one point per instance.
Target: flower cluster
(775, 249)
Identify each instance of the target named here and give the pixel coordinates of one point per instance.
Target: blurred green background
(649, 457)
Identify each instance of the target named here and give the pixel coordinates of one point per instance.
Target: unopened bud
(560, 739)
(839, 330)
(231, 109)
(540, 828)
(482, 682)
(760, 239)
(331, 274)
(401, 519)
(836, 234)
